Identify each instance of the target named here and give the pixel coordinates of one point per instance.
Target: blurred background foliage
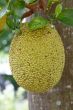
(9, 100)
(12, 97)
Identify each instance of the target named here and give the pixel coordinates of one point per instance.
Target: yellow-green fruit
(2, 22)
(37, 58)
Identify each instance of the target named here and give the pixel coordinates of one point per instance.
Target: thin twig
(27, 14)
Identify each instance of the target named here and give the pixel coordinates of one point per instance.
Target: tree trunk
(61, 96)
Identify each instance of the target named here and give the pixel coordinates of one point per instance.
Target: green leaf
(17, 7)
(58, 10)
(19, 4)
(5, 38)
(66, 16)
(3, 3)
(30, 1)
(52, 1)
(13, 21)
(49, 1)
(37, 22)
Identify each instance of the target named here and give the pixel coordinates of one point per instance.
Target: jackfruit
(2, 22)
(37, 58)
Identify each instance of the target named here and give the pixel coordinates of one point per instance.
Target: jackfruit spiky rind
(37, 58)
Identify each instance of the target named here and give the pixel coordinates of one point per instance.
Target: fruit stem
(40, 6)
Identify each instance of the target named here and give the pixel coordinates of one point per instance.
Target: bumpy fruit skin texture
(37, 58)
(2, 22)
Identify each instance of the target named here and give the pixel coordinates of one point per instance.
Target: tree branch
(27, 14)
(39, 6)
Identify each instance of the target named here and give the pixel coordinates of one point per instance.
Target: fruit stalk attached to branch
(40, 6)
